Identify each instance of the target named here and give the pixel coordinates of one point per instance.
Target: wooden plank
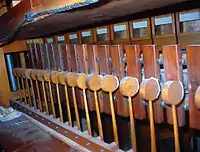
(16, 46)
(173, 71)
(104, 68)
(134, 69)
(152, 69)
(193, 64)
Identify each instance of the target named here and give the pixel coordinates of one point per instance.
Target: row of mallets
(172, 94)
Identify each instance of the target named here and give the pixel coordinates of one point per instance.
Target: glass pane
(120, 32)
(61, 39)
(190, 22)
(102, 34)
(163, 25)
(140, 29)
(49, 40)
(86, 37)
(73, 39)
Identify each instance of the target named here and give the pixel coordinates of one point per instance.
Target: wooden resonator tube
(55, 80)
(93, 83)
(150, 90)
(62, 77)
(129, 86)
(172, 94)
(40, 77)
(15, 73)
(71, 81)
(109, 84)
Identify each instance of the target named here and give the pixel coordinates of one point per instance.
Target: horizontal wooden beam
(16, 46)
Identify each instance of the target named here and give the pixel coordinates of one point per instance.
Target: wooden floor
(22, 135)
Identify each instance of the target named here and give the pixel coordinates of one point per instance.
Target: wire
(30, 16)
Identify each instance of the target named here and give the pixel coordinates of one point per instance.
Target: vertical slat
(134, 69)
(193, 64)
(152, 69)
(173, 71)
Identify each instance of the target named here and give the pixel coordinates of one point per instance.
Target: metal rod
(152, 128)
(76, 109)
(39, 98)
(59, 103)
(45, 98)
(176, 134)
(52, 101)
(24, 91)
(98, 116)
(87, 113)
(132, 125)
(113, 119)
(68, 106)
(34, 98)
(29, 94)
(19, 89)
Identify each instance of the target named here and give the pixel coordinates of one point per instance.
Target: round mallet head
(62, 77)
(54, 77)
(150, 89)
(22, 73)
(109, 83)
(71, 79)
(81, 80)
(34, 74)
(40, 75)
(197, 97)
(129, 86)
(172, 92)
(93, 82)
(47, 75)
(28, 73)
(15, 72)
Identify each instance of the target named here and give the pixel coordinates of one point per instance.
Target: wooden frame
(91, 35)
(69, 40)
(141, 40)
(187, 38)
(164, 39)
(108, 35)
(125, 40)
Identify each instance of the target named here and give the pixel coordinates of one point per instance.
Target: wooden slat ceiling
(99, 13)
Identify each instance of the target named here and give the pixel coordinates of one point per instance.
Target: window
(189, 22)
(140, 29)
(163, 25)
(73, 38)
(61, 39)
(86, 36)
(102, 34)
(120, 32)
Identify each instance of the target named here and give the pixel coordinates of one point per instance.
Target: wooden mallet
(15, 73)
(55, 80)
(172, 94)
(62, 77)
(71, 81)
(81, 83)
(93, 83)
(34, 77)
(47, 78)
(40, 77)
(129, 87)
(110, 83)
(28, 76)
(150, 90)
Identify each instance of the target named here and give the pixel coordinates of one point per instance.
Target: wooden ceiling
(104, 12)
